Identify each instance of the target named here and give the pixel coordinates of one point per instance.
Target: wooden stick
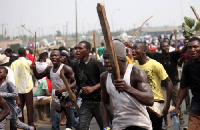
(195, 13)
(139, 29)
(62, 76)
(175, 36)
(95, 47)
(108, 39)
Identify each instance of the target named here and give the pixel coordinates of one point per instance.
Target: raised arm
(105, 100)
(139, 89)
(5, 109)
(40, 75)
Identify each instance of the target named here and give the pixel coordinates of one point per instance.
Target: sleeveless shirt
(127, 110)
(56, 81)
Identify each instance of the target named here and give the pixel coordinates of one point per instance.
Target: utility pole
(76, 22)
(2, 30)
(66, 32)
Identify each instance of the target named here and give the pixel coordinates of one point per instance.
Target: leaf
(183, 25)
(197, 27)
(189, 21)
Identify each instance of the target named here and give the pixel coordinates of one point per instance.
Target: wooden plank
(175, 36)
(108, 39)
(95, 47)
(62, 76)
(195, 13)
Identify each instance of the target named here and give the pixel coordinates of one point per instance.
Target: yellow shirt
(23, 76)
(155, 73)
(128, 60)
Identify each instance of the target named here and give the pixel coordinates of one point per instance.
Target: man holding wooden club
(129, 95)
(59, 87)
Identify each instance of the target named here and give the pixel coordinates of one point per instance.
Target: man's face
(2, 74)
(81, 51)
(8, 54)
(63, 59)
(107, 63)
(137, 51)
(186, 42)
(165, 47)
(55, 57)
(194, 49)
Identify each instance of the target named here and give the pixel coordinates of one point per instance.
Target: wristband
(107, 128)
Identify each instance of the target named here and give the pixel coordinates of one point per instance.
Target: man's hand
(60, 90)
(165, 111)
(87, 90)
(33, 66)
(172, 111)
(18, 102)
(120, 85)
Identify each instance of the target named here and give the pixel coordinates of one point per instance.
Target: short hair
(143, 44)
(102, 44)
(72, 55)
(163, 42)
(72, 49)
(61, 48)
(55, 50)
(87, 44)
(8, 50)
(22, 52)
(93, 50)
(194, 39)
(46, 54)
(4, 69)
(41, 56)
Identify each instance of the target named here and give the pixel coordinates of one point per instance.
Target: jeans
(69, 113)
(17, 123)
(87, 112)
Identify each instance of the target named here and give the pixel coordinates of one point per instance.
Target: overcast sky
(47, 16)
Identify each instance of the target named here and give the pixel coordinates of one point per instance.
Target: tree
(58, 34)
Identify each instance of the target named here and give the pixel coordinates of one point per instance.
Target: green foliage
(189, 21)
(197, 27)
(189, 27)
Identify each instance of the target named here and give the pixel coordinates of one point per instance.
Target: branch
(139, 29)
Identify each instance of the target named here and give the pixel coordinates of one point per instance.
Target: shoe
(165, 127)
(61, 123)
(68, 129)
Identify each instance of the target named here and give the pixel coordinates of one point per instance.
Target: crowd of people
(139, 100)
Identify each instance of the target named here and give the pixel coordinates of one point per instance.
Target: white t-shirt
(10, 76)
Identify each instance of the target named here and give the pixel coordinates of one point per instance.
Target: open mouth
(192, 54)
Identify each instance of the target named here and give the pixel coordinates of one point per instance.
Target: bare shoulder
(138, 74)
(49, 68)
(103, 77)
(104, 74)
(67, 68)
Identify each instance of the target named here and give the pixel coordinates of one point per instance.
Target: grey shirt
(9, 93)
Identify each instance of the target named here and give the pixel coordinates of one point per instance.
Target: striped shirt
(23, 75)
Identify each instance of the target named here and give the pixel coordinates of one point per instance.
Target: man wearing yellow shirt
(24, 84)
(155, 73)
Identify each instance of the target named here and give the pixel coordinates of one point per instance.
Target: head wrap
(120, 50)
